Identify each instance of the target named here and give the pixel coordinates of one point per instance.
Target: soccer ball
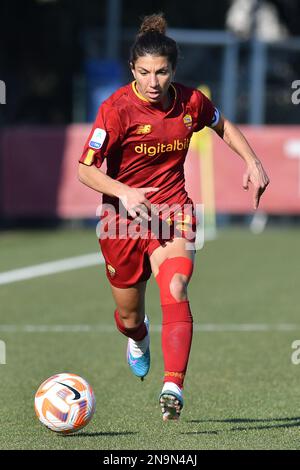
(65, 403)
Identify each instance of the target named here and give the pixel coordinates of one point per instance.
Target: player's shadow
(288, 422)
(103, 434)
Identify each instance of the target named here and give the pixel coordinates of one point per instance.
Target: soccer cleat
(138, 354)
(171, 403)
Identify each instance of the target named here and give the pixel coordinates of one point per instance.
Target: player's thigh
(131, 299)
(178, 247)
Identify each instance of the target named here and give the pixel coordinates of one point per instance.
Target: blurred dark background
(54, 52)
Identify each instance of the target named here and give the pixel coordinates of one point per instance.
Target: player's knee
(130, 318)
(173, 278)
(178, 287)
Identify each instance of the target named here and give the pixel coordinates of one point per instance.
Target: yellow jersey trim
(89, 157)
(133, 84)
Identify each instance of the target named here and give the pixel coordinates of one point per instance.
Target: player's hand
(256, 175)
(136, 203)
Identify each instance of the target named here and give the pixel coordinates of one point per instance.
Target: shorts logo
(97, 139)
(144, 129)
(188, 121)
(111, 270)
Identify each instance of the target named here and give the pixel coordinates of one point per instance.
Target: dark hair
(151, 39)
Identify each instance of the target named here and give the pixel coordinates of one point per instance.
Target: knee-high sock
(177, 321)
(177, 332)
(137, 334)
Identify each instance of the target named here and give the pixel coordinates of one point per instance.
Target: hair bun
(153, 23)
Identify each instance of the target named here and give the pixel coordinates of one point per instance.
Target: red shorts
(127, 250)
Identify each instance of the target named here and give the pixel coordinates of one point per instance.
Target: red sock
(137, 334)
(177, 331)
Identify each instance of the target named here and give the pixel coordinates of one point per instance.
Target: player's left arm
(255, 172)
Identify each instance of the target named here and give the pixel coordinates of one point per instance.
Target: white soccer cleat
(171, 401)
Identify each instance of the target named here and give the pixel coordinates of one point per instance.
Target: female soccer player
(143, 130)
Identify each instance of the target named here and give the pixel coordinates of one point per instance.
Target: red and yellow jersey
(145, 145)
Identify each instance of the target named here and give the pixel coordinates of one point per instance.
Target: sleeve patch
(216, 118)
(97, 139)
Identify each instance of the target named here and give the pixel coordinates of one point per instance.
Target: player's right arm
(104, 138)
(133, 199)
(96, 179)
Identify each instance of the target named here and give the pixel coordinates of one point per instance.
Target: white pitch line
(52, 267)
(110, 328)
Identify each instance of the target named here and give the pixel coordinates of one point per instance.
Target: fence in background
(38, 170)
(251, 81)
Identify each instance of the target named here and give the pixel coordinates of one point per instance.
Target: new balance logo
(144, 129)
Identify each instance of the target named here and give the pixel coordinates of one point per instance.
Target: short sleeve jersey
(145, 145)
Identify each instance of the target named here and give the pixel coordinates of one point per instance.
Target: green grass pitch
(241, 390)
